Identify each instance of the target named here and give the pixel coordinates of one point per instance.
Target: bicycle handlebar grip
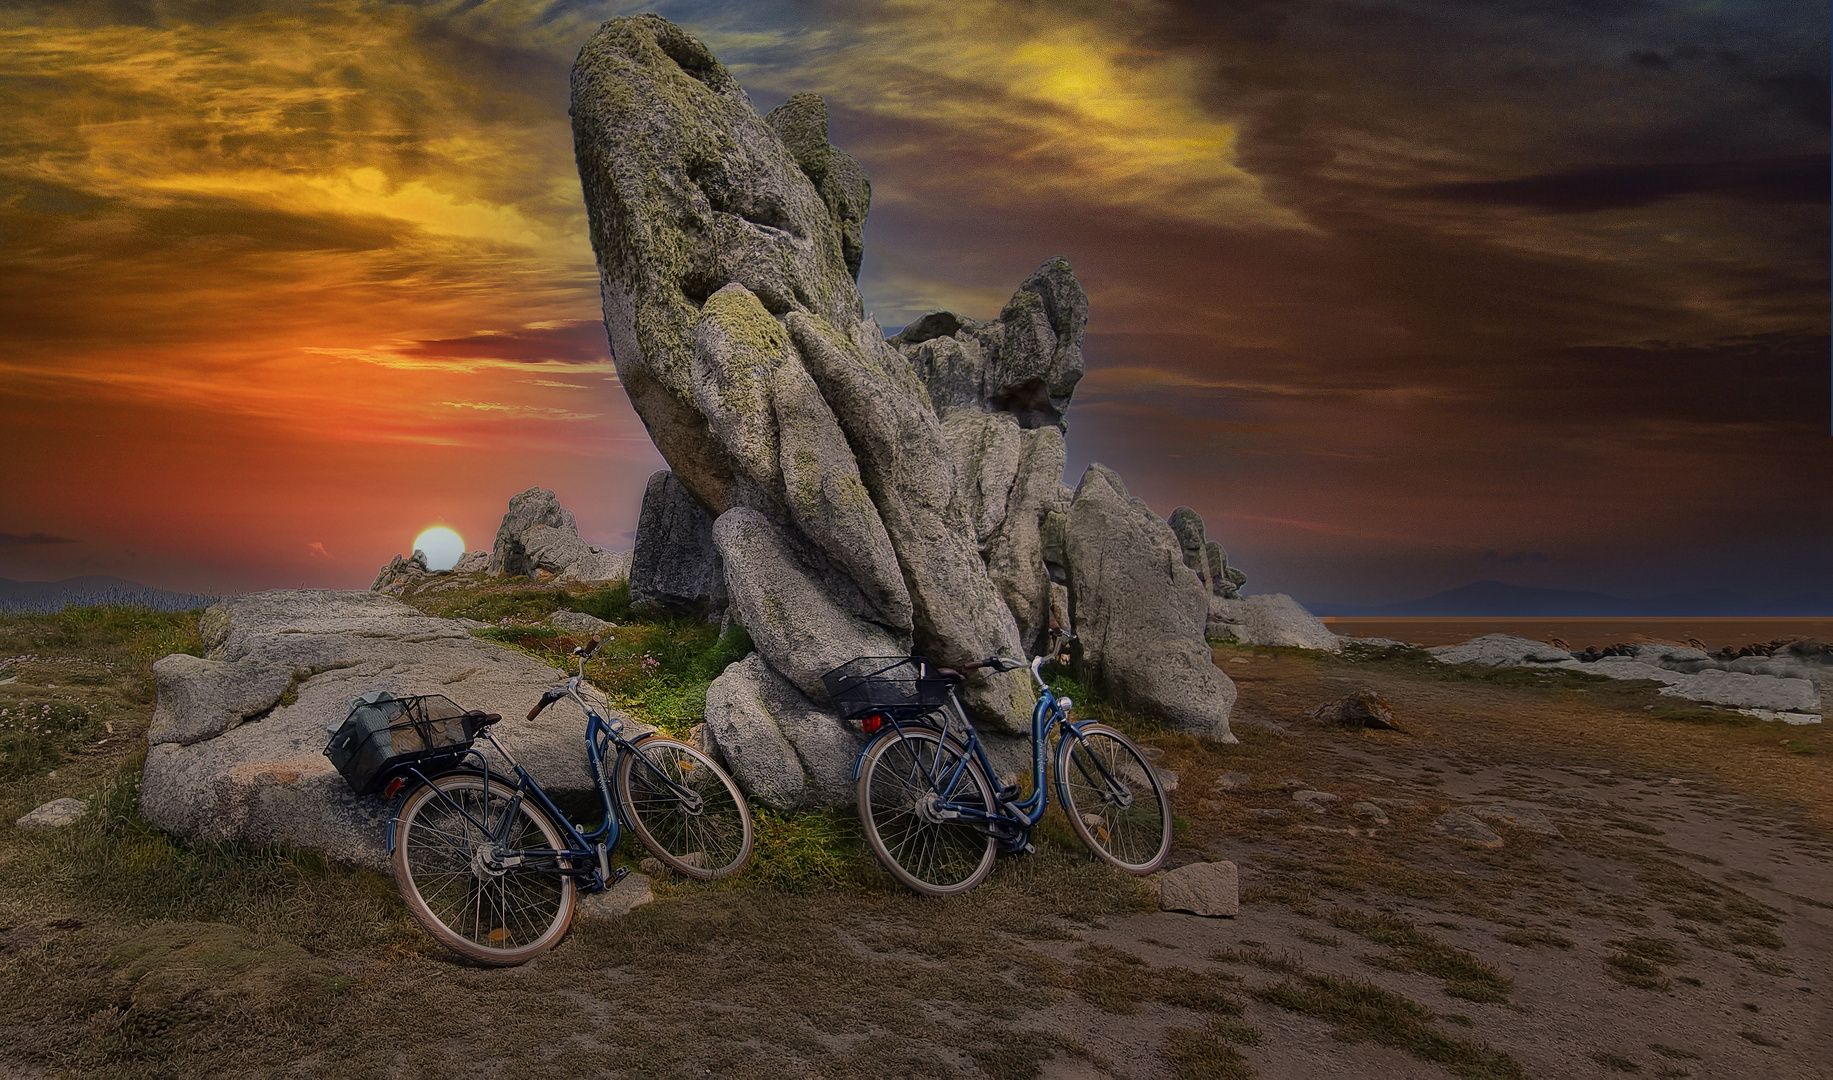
(546, 699)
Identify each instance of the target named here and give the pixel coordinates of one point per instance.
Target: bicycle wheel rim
(496, 917)
(938, 858)
(1113, 799)
(709, 842)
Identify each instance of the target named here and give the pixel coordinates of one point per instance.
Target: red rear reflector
(871, 722)
(394, 787)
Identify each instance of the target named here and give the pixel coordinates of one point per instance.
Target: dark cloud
(1801, 179)
(580, 342)
(1806, 95)
(19, 540)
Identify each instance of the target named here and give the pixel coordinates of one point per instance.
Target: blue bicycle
(932, 810)
(492, 869)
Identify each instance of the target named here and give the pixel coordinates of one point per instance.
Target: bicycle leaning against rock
(932, 809)
(492, 868)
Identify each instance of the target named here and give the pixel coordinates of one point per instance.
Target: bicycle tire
(1121, 826)
(932, 857)
(705, 843)
(485, 913)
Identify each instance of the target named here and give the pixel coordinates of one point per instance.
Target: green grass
(80, 679)
(1463, 973)
(799, 852)
(656, 668)
(1361, 1010)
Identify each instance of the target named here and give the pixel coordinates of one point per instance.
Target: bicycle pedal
(619, 874)
(604, 867)
(1008, 793)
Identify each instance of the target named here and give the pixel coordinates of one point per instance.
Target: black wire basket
(900, 685)
(383, 736)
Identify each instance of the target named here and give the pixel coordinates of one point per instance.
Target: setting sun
(442, 546)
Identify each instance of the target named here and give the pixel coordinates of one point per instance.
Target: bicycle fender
(888, 733)
(394, 823)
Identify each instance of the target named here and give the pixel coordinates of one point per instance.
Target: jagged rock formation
(870, 497)
(235, 750)
(1208, 558)
(540, 538)
(403, 573)
(1139, 611)
(674, 568)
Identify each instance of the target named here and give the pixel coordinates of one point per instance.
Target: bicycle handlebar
(547, 699)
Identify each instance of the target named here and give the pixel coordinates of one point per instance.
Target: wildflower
(650, 663)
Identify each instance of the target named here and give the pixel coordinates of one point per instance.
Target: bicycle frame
(592, 846)
(1019, 816)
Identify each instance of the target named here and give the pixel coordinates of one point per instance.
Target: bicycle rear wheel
(684, 808)
(903, 784)
(1113, 798)
(479, 899)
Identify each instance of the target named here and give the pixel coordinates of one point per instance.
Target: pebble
(1167, 779)
(1233, 781)
(1370, 811)
(1308, 796)
(620, 899)
(1267, 814)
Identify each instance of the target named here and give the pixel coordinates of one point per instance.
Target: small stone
(54, 815)
(1520, 817)
(1306, 795)
(578, 622)
(620, 899)
(1237, 659)
(1210, 889)
(1370, 811)
(1464, 827)
(1211, 805)
(1153, 753)
(1267, 814)
(1364, 708)
(1395, 804)
(652, 866)
(1233, 781)
(1168, 779)
(1290, 784)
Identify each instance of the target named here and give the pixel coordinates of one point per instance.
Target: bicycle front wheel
(1113, 798)
(684, 808)
(482, 898)
(906, 784)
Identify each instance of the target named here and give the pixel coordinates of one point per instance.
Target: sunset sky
(1398, 294)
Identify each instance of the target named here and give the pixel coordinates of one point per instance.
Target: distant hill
(90, 591)
(1493, 599)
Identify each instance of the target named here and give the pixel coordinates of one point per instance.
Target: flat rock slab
(1529, 818)
(1233, 781)
(54, 815)
(264, 779)
(1370, 811)
(1210, 889)
(619, 900)
(1274, 619)
(1466, 828)
(1501, 650)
